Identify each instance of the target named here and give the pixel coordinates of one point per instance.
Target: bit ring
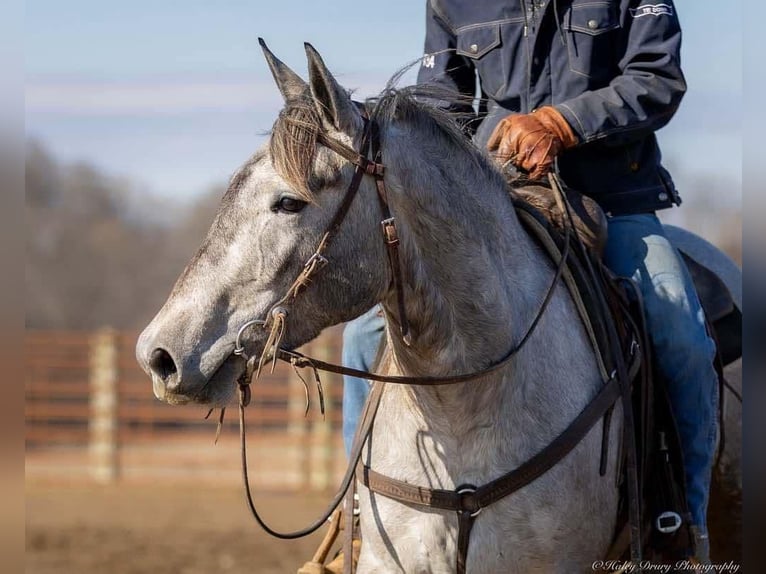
(239, 349)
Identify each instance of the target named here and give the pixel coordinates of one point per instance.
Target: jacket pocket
(476, 41)
(592, 38)
(491, 46)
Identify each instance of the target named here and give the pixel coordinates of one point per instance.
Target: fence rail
(91, 414)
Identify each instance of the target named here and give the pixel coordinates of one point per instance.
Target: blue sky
(175, 94)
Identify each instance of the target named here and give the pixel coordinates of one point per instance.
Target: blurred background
(136, 115)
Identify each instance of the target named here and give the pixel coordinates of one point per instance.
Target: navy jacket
(611, 67)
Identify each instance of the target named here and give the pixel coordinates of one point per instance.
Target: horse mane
(293, 144)
(431, 107)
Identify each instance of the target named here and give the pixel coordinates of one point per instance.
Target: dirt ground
(140, 529)
(188, 529)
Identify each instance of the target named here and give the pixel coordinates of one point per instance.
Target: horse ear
(289, 83)
(332, 100)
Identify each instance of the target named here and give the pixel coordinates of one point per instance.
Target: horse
(471, 283)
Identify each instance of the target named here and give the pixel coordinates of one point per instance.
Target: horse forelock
(293, 145)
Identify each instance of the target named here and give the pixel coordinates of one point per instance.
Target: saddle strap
(467, 500)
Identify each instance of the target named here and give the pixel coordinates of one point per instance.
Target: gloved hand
(532, 141)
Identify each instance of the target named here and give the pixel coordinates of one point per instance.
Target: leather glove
(532, 141)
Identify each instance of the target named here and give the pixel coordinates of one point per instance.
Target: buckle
(463, 490)
(373, 168)
(389, 231)
(668, 522)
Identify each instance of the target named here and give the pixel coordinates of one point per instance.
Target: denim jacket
(611, 67)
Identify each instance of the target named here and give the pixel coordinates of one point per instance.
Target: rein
(466, 500)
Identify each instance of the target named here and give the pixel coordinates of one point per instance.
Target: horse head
(268, 225)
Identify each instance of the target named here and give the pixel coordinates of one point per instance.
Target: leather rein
(466, 500)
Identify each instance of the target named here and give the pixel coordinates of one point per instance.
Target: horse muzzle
(179, 379)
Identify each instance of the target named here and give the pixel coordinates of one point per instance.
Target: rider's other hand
(532, 141)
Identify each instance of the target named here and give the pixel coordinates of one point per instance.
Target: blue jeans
(361, 338)
(683, 351)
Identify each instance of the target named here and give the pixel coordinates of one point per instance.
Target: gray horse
(473, 282)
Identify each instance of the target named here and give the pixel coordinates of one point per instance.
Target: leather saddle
(590, 224)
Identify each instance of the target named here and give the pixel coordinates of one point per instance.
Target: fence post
(102, 425)
(321, 430)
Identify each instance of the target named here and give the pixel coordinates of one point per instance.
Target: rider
(583, 85)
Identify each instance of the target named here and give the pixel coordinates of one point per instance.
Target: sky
(176, 95)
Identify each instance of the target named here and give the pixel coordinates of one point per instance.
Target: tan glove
(532, 141)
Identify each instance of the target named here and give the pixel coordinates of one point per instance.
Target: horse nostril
(162, 364)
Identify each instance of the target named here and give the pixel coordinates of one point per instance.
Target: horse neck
(473, 278)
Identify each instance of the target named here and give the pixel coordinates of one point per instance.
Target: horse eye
(289, 204)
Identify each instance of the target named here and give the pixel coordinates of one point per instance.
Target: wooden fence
(91, 414)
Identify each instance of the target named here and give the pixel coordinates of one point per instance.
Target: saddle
(590, 224)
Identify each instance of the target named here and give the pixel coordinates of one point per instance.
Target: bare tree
(92, 259)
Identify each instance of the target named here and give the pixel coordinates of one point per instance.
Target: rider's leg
(361, 338)
(637, 247)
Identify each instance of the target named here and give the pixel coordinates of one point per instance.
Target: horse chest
(399, 538)
(522, 533)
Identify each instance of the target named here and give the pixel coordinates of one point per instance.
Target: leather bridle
(317, 261)
(466, 500)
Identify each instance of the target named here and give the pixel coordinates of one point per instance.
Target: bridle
(371, 166)
(467, 500)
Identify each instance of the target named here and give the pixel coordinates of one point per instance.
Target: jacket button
(592, 24)
(634, 166)
(474, 48)
(662, 196)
